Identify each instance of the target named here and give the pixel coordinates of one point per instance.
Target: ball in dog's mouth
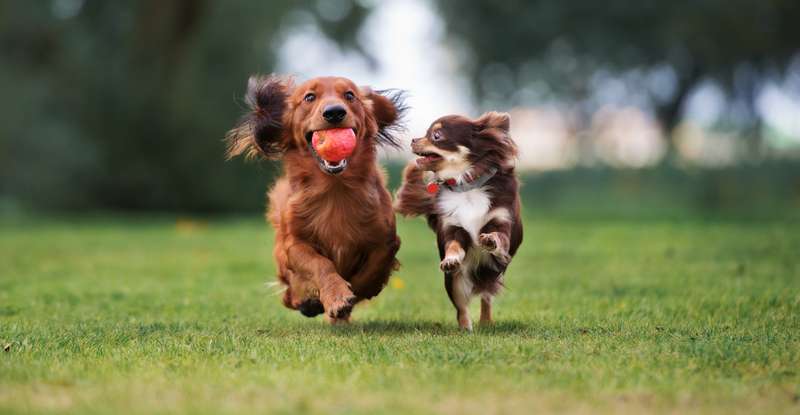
(332, 147)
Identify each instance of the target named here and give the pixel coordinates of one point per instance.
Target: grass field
(599, 315)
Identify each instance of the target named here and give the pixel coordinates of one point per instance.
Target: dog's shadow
(404, 328)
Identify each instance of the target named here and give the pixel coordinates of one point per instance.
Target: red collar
(433, 187)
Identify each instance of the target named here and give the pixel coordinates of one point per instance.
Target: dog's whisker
(275, 287)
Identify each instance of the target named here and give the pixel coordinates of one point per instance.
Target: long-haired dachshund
(335, 238)
(470, 200)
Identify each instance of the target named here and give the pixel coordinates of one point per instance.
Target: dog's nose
(334, 114)
(414, 140)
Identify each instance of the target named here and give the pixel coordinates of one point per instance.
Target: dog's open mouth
(333, 167)
(427, 158)
(331, 148)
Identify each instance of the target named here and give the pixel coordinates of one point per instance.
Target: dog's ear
(388, 107)
(494, 119)
(495, 126)
(260, 132)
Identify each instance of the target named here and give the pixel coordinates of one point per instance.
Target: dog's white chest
(465, 209)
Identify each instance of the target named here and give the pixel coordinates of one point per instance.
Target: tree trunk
(670, 113)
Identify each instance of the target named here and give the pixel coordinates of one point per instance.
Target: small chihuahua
(464, 184)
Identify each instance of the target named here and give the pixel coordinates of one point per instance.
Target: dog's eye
(349, 95)
(309, 97)
(437, 135)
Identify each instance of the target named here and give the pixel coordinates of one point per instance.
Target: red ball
(335, 144)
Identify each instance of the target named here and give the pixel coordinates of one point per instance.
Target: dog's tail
(413, 199)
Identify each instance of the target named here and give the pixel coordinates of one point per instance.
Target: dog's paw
(489, 241)
(450, 264)
(465, 323)
(341, 307)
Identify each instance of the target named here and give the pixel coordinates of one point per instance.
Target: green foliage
(661, 49)
(124, 105)
(599, 315)
(621, 34)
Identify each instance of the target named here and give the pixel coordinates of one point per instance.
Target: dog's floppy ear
(494, 119)
(388, 107)
(260, 132)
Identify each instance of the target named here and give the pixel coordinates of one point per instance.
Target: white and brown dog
(471, 201)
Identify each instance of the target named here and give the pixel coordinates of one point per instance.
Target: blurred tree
(564, 48)
(123, 105)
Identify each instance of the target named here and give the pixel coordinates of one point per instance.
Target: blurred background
(618, 106)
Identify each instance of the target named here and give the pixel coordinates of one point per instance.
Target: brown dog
(335, 238)
(471, 201)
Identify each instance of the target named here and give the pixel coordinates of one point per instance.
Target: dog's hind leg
(460, 289)
(453, 242)
(486, 309)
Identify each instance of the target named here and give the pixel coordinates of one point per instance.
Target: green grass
(603, 315)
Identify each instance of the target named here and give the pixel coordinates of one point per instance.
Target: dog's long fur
(335, 238)
(478, 230)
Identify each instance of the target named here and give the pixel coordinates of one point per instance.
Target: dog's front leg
(495, 237)
(334, 291)
(454, 241)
